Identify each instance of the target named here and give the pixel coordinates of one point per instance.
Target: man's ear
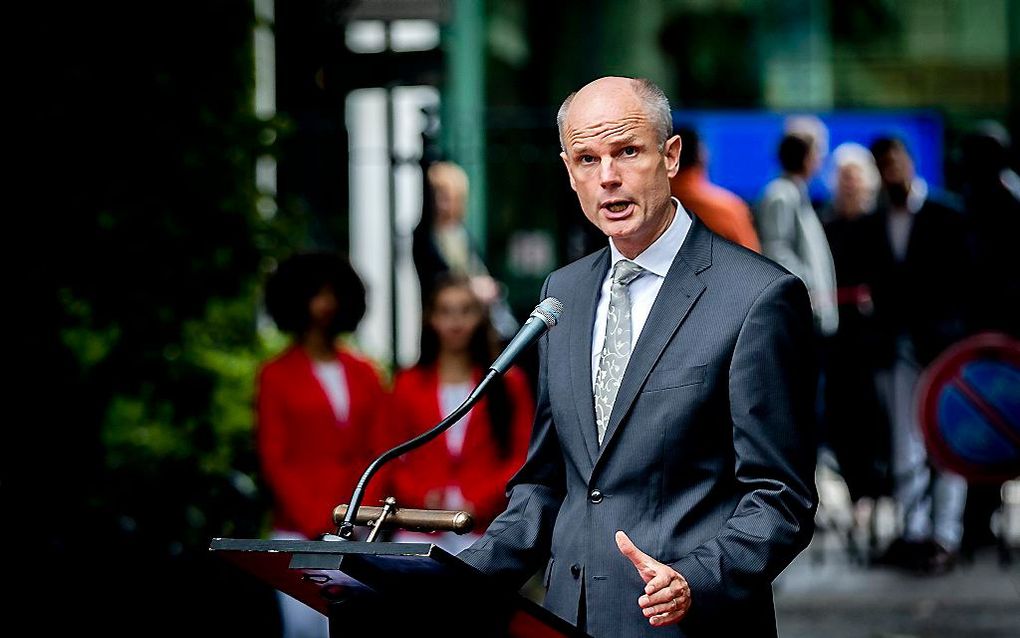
(566, 162)
(671, 154)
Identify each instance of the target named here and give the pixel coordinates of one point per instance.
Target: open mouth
(617, 207)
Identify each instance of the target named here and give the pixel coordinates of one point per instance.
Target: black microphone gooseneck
(542, 318)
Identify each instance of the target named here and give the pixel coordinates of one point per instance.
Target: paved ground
(827, 594)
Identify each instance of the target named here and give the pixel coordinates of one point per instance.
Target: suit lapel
(585, 300)
(885, 252)
(919, 231)
(680, 290)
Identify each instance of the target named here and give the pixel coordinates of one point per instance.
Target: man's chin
(618, 229)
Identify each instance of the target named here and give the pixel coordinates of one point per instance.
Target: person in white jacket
(791, 233)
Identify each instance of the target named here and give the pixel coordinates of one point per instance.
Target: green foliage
(149, 291)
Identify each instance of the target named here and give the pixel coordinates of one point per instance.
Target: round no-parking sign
(969, 408)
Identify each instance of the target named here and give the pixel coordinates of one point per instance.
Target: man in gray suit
(674, 404)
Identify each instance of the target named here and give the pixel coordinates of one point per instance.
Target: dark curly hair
(291, 287)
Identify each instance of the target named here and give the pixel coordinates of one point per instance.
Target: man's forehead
(608, 128)
(612, 133)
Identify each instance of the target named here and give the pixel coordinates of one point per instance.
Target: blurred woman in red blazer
(319, 407)
(469, 466)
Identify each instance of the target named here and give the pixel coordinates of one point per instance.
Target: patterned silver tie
(616, 348)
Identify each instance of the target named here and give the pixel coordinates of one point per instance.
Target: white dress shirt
(451, 396)
(333, 380)
(901, 221)
(656, 260)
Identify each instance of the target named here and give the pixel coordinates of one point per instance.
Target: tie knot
(626, 271)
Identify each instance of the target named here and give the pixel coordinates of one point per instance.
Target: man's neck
(631, 252)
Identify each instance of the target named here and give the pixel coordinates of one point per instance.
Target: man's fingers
(671, 612)
(660, 581)
(666, 619)
(679, 603)
(657, 597)
(676, 588)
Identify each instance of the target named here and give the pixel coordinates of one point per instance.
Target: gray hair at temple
(656, 105)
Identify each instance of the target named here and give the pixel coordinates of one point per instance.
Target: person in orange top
(469, 466)
(722, 211)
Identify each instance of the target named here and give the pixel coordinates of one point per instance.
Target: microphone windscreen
(549, 311)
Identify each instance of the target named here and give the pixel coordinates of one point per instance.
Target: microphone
(543, 317)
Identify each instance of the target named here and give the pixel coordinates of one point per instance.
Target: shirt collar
(918, 193)
(802, 187)
(659, 256)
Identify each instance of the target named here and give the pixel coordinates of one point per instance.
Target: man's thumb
(630, 550)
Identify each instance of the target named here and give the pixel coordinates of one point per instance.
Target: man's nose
(609, 175)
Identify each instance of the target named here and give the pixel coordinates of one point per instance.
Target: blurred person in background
(919, 274)
(991, 193)
(790, 231)
(469, 466)
(722, 211)
(856, 427)
(856, 185)
(441, 244)
(320, 408)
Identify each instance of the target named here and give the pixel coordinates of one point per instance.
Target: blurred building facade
(497, 71)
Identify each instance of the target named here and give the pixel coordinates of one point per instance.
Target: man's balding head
(653, 99)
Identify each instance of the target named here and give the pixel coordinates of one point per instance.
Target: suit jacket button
(595, 496)
(575, 570)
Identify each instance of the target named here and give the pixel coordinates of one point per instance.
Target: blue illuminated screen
(743, 145)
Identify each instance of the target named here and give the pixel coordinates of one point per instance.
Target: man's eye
(630, 151)
(587, 159)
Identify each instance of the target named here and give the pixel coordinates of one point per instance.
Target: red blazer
(310, 460)
(479, 471)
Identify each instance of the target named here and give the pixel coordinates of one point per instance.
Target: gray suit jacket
(707, 461)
